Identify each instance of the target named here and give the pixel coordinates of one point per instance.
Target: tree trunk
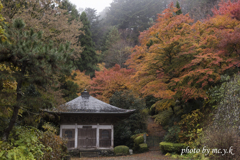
(12, 122)
(173, 109)
(15, 107)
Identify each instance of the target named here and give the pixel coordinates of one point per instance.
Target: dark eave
(112, 113)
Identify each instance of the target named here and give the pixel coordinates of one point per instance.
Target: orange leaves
(156, 60)
(228, 8)
(158, 89)
(179, 58)
(107, 82)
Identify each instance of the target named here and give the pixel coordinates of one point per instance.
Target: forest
(174, 61)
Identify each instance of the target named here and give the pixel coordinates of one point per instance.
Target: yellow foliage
(8, 84)
(101, 66)
(164, 104)
(82, 80)
(2, 33)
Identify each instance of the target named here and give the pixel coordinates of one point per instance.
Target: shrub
(23, 144)
(143, 147)
(138, 140)
(172, 135)
(220, 138)
(30, 143)
(139, 146)
(121, 150)
(167, 116)
(167, 147)
(56, 143)
(222, 133)
(136, 135)
(146, 111)
(163, 117)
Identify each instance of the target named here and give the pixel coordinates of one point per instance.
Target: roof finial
(85, 94)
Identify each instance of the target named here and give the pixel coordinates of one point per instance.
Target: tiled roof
(88, 104)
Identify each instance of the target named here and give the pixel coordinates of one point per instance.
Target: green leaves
(135, 123)
(28, 143)
(33, 62)
(18, 23)
(24, 145)
(88, 59)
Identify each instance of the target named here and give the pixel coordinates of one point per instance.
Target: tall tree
(95, 27)
(32, 61)
(179, 9)
(56, 23)
(71, 8)
(88, 59)
(118, 53)
(134, 15)
(181, 60)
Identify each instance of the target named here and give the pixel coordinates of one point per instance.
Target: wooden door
(69, 134)
(105, 138)
(86, 137)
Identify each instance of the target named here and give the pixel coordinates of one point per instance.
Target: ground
(151, 155)
(154, 129)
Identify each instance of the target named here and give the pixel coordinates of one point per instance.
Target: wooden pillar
(76, 135)
(61, 131)
(97, 138)
(112, 140)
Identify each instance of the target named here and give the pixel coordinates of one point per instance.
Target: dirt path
(152, 155)
(154, 129)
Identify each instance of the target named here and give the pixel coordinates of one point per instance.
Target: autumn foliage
(179, 59)
(107, 82)
(81, 79)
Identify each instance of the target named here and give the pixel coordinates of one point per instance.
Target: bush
(220, 138)
(146, 111)
(121, 150)
(167, 147)
(136, 135)
(172, 135)
(138, 140)
(31, 143)
(163, 117)
(143, 147)
(139, 146)
(23, 144)
(223, 132)
(56, 143)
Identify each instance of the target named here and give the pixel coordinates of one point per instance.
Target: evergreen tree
(88, 59)
(134, 15)
(112, 37)
(71, 8)
(95, 27)
(179, 9)
(32, 63)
